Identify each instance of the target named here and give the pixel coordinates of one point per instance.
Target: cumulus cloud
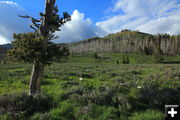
(78, 29)
(9, 21)
(3, 40)
(151, 16)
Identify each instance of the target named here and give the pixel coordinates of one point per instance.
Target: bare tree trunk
(36, 78)
(44, 28)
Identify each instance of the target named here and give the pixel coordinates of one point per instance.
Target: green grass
(111, 58)
(83, 87)
(148, 115)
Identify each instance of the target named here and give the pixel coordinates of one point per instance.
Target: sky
(91, 18)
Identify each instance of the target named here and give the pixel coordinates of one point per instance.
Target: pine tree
(36, 47)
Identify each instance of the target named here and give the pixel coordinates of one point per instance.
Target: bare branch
(35, 20)
(32, 19)
(41, 14)
(55, 37)
(35, 24)
(26, 16)
(31, 26)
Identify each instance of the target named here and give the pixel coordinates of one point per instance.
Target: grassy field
(82, 87)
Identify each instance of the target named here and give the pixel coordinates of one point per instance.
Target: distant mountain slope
(5, 47)
(128, 42)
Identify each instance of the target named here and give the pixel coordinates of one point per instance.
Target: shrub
(125, 60)
(87, 75)
(100, 56)
(101, 95)
(148, 115)
(157, 54)
(65, 111)
(17, 105)
(158, 57)
(155, 98)
(69, 84)
(148, 50)
(97, 112)
(96, 55)
(6, 117)
(41, 116)
(117, 61)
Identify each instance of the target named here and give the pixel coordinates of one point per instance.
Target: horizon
(107, 17)
(104, 36)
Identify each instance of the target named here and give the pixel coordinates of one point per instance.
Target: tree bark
(37, 70)
(36, 78)
(44, 28)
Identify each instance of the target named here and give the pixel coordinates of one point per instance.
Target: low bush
(155, 98)
(40, 116)
(148, 50)
(125, 60)
(148, 115)
(18, 105)
(64, 111)
(98, 112)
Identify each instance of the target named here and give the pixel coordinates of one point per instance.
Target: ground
(82, 87)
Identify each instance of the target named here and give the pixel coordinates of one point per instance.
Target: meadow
(82, 87)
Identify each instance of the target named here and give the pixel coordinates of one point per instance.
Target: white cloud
(10, 22)
(78, 28)
(151, 16)
(168, 25)
(3, 40)
(8, 2)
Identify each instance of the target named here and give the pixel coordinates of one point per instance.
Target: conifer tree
(36, 47)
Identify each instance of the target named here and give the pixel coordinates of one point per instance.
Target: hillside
(86, 87)
(5, 47)
(128, 42)
(3, 50)
(82, 87)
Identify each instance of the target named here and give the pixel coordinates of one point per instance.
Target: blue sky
(94, 18)
(92, 9)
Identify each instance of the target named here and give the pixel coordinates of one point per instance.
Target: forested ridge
(129, 42)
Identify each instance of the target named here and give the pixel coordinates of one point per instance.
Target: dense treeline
(130, 42)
